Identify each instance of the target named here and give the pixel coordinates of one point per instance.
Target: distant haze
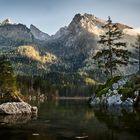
(50, 15)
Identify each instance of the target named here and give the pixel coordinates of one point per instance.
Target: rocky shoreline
(113, 97)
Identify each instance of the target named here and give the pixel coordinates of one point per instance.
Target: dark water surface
(72, 119)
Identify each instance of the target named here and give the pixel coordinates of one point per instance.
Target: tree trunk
(110, 49)
(136, 104)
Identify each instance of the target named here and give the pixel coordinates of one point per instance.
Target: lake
(72, 119)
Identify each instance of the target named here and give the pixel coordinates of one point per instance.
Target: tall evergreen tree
(8, 84)
(114, 52)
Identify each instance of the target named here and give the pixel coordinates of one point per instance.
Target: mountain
(14, 34)
(70, 50)
(76, 44)
(73, 44)
(24, 50)
(39, 34)
(6, 22)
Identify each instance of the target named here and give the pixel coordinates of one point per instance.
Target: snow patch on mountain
(132, 32)
(7, 22)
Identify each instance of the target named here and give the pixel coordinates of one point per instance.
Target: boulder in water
(13, 108)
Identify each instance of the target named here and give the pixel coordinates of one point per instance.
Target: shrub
(137, 87)
(129, 84)
(99, 88)
(136, 79)
(8, 83)
(113, 80)
(127, 92)
(103, 91)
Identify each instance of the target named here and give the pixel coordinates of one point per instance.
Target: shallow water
(72, 119)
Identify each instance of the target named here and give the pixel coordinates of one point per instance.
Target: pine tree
(114, 52)
(8, 84)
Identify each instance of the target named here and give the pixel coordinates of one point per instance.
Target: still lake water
(72, 119)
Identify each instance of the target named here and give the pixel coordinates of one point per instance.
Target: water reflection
(73, 119)
(14, 119)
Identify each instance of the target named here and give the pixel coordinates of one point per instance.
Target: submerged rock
(12, 108)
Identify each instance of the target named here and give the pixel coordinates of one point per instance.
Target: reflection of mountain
(72, 47)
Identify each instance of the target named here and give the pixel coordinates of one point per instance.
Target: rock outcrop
(14, 34)
(13, 108)
(39, 34)
(7, 22)
(113, 97)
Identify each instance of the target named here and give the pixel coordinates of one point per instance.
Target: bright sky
(50, 15)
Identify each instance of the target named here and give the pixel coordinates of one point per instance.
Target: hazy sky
(50, 15)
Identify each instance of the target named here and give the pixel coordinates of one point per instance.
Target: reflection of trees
(77, 118)
(119, 119)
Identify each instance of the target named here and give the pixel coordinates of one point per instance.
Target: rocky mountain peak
(86, 22)
(122, 26)
(91, 23)
(7, 22)
(85, 18)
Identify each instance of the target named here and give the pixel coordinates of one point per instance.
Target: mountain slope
(39, 34)
(14, 34)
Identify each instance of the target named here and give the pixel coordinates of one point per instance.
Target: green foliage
(102, 91)
(136, 79)
(137, 87)
(127, 92)
(129, 84)
(130, 87)
(114, 52)
(112, 80)
(99, 88)
(136, 83)
(7, 79)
